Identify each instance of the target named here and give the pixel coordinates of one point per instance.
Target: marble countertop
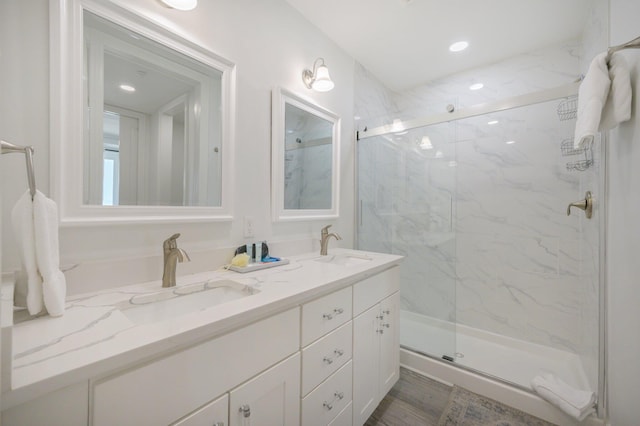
(96, 335)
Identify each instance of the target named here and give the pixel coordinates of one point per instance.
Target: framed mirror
(146, 120)
(305, 147)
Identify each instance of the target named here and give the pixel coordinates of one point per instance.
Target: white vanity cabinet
(376, 345)
(326, 357)
(215, 413)
(165, 390)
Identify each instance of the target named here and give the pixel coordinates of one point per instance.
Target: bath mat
(466, 408)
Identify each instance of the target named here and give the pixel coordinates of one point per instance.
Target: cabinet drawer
(165, 390)
(344, 418)
(323, 357)
(325, 314)
(372, 290)
(322, 405)
(215, 413)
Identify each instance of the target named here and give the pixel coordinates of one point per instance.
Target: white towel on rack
(576, 403)
(604, 98)
(592, 96)
(29, 284)
(54, 284)
(36, 227)
(617, 108)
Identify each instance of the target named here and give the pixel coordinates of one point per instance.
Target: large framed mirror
(145, 120)
(305, 159)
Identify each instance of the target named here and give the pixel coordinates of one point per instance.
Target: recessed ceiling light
(492, 122)
(458, 46)
(476, 86)
(127, 88)
(510, 142)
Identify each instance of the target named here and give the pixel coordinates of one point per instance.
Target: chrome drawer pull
(328, 405)
(385, 325)
(339, 395)
(386, 312)
(245, 410)
(327, 316)
(380, 331)
(338, 311)
(338, 352)
(327, 360)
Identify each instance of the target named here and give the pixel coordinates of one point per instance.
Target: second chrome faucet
(172, 255)
(324, 239)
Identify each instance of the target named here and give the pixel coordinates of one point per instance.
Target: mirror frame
(67, 117)
(280, 98)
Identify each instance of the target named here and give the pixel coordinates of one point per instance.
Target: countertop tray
(257, 266)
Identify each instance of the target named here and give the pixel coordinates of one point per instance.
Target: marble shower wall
(483, 222)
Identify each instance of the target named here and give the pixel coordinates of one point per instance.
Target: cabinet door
(215, 413)
(272, 398)
(366, 348)
(389, 343)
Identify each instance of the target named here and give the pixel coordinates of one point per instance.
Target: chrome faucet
(172, 255)
(324, 239)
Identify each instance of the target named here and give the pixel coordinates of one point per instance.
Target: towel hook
(8, 148)
(586, 205)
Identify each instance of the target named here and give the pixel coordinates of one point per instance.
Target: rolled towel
(592, 96)
(575, 402)
(617, 108)
(54, 285)
(29, 283)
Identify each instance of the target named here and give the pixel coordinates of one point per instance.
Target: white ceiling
(405, 43)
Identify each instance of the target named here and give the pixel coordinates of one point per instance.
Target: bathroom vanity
(313, 342)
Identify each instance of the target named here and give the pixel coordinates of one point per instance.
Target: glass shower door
(406, 187)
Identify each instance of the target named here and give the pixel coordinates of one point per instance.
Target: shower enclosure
(497, 277)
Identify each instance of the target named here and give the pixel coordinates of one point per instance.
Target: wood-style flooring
(414, 400)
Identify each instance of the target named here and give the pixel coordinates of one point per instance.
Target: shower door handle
(586, 205)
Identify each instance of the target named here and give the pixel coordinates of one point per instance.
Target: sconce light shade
(318, 79)
(181, 4)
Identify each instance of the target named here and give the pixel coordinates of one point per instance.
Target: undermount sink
(343, 259)
(177, 301)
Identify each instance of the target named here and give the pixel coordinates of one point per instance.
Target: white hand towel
(617, 108)
(22, 218)
(54, 285)
(576, 403)
(592, 96)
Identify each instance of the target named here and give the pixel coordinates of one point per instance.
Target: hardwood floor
(414, 400)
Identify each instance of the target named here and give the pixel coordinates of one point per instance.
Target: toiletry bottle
(250, 252)
(258, 252)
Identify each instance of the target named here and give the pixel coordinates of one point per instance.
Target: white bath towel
(592, 96)
(36, 227)
(576, 403)
(604, 98)
(29, 286)
(54, 284)
(617, 108)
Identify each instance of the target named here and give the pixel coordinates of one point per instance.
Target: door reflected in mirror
(305, 159)
(154, 135)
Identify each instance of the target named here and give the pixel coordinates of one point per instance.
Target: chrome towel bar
(8, 148)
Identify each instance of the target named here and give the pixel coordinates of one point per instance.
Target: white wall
(623, 269)
(269, 42)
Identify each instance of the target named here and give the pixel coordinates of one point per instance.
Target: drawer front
(372, 290)
(344, 418)
(325, 356)
(164, 391)
(215, 413)
(328, 400)
(325, 314)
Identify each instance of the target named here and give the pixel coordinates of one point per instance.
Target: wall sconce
(318, 79)
(181, 4)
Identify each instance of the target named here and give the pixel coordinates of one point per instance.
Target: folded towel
(54, 285)
(30, 282)
(576, 403)
(592, 96)
(617, 108)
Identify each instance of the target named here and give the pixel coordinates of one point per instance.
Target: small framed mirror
(305, 161)
(146, 120)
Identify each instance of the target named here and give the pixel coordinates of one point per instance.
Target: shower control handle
(586, 205)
